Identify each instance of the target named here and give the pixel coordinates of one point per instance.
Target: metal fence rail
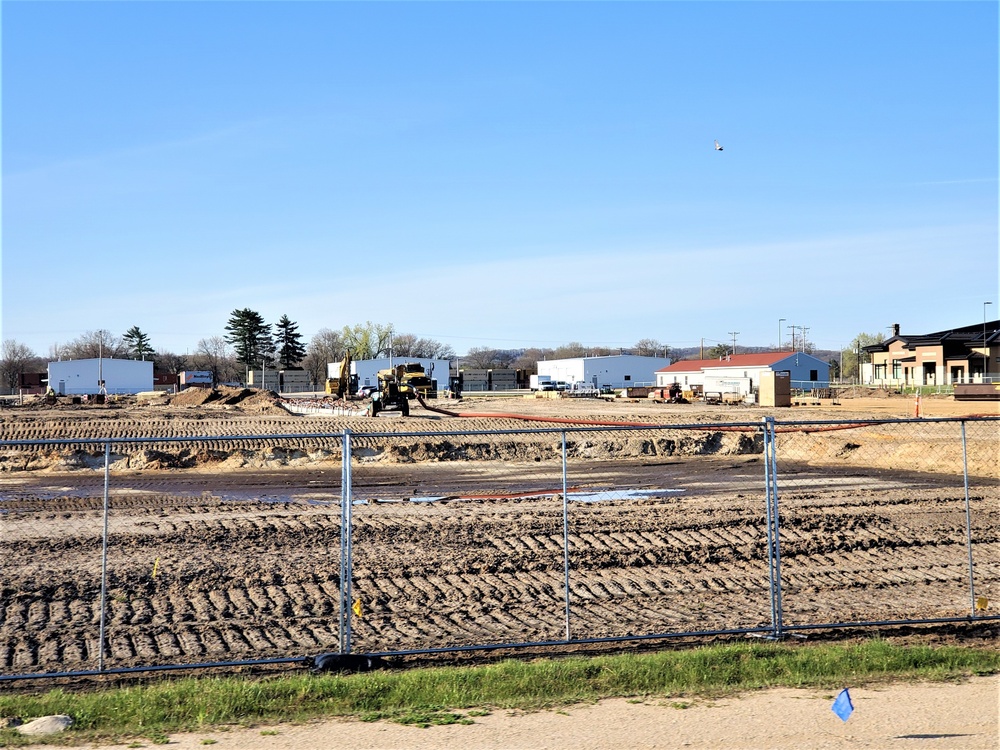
(427, 542)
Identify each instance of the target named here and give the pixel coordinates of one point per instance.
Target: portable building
(90, 377)
(266, 380)
(198, 378)
(614, 371)
(474, 379)
(805, 371)
(294, 381)
(503, 380)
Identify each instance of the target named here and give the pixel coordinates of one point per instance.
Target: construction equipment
(391, 398)
(418, 382)
(676, 395)
(411, 379)
(344, 383)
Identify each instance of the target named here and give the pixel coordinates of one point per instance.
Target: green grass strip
(437, 695)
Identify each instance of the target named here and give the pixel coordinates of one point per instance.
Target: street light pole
(986, 351)
(780, 321)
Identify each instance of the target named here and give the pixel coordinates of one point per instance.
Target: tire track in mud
(252, 580)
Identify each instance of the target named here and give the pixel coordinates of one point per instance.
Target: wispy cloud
(170, 147)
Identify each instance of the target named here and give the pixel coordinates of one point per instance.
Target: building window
(814, 375)
(896, 370)
(880, 372)
(628, 377)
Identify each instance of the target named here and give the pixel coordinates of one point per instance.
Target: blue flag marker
(843, 706)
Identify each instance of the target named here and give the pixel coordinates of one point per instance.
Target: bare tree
(567, 351)
(170, 362)
(504, 358)
(325, 347)
(528, 359)
(93, 344)
(408, 345)
(215, 355)
(650, 348)
(16, 359)
(480, 358)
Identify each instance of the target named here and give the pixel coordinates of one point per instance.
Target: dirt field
(226, 550)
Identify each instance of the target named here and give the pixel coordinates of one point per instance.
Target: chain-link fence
(128, 553)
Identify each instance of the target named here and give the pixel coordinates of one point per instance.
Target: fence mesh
(231, 548)
(873, 519)
(668, 536)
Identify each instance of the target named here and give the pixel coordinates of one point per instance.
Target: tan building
(960, 355)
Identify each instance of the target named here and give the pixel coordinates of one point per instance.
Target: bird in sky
(717, 146)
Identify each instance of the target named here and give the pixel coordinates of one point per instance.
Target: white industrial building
(367, 369)
(741, 373)
(90, 377)
(613, 371)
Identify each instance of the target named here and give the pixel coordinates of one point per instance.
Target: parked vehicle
(541, 383)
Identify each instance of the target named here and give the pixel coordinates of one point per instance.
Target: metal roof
(765, 359)
(966, 336)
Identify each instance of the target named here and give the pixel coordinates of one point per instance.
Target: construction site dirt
(229, 549)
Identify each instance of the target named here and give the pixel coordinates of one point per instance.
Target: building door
(930, 371)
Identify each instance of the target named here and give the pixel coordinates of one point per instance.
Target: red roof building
(742, 372)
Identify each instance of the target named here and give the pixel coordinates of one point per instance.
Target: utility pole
(734, 334)
(986, 351)
(804, 329)
(793, 336)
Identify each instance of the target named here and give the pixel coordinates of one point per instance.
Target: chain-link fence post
(968, 522)
(565, 509)
(104, 559)
(345, 545)
(773, 537)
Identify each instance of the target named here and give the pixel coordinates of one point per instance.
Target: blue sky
(499, 174)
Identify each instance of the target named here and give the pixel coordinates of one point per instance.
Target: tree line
(251, 343)
(248, 343)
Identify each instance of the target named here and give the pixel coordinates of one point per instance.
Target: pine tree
(137, 343)
(291, 350)
(250, 337)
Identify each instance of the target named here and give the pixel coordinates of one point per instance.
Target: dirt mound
(194, 397)
(248, 399)
(258, 402)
